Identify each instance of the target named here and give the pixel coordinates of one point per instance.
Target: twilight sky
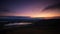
(32, 8)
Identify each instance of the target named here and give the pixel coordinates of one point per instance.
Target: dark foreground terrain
(38, 26)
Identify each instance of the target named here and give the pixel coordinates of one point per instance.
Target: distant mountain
(14, 19)
(56, 17)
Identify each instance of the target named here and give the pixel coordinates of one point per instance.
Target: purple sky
(31, 8)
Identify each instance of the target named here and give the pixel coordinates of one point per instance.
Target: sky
(32, 8)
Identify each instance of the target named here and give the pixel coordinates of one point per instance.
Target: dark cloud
(54, 6)
(4, 10)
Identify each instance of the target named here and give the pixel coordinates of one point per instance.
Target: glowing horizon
(36, 14)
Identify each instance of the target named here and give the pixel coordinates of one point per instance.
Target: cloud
(4, 11)
(52, 7)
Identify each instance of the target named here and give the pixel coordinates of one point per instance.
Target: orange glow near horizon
(46, 15)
